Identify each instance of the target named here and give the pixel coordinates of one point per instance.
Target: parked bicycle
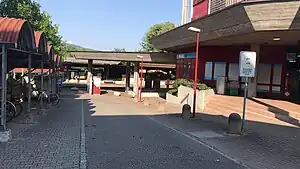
(51, 99)
(17, 103)
(11, 111)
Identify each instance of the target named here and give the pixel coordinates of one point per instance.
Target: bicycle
(17, 103)
(51, 99)
(54, 99)
(11, 111)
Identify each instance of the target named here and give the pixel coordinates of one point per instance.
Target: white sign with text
(247, 63)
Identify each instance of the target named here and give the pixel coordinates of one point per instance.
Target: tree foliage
(153, 31)
(31, 11)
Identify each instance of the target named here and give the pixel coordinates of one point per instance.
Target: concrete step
(282, 107)
(274, 106)
(229, 104)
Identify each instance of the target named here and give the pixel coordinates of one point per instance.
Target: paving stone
(263, 145)
(52, 142)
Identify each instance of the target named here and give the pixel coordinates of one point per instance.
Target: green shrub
(189, 83)
(183, 82)
(186, 83)
(173, 92)
(202, 86)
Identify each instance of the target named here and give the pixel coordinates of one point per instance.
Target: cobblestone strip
(83, 160)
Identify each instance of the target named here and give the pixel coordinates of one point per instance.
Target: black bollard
(234, 123)
(186, 111)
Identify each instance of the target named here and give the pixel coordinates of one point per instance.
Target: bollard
(234, 123)
(186, 112)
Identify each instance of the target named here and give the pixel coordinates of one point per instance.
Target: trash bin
(233, 92)
(233, 88)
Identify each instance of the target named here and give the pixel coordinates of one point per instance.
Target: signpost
(247, 69)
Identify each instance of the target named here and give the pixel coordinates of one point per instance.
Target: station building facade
(270, 28)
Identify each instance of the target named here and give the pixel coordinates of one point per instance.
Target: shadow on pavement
(264, 145)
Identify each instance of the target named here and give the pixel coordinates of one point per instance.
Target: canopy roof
(153, 57)
(248, 22)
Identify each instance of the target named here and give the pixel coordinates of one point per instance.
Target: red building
(270, 28)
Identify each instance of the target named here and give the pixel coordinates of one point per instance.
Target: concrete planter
(172, 99)
(186, 96)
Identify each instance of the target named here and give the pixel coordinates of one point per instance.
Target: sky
(109, 24)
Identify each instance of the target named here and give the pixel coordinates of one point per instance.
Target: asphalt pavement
(119, 136)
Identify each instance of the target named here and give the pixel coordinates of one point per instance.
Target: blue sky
(108, 24)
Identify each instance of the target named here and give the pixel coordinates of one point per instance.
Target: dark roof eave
(242, 3)
(209, 15)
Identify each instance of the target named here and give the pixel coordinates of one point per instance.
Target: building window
(264, 73)
(269, 78)
(187, 69)
(277, 74)
(219, 69)
(214, 70)
(233, 72)
(208, 71)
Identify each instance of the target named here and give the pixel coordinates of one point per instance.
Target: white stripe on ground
(199, 142)
(83, 161)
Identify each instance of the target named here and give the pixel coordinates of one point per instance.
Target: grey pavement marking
(198, 141)
(83, 154)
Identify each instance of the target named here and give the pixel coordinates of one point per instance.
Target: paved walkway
(265, 145)
(52, 142)
(117, 134)
(120, 135)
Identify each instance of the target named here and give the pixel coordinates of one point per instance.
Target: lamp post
(197, 30)
(141, 77)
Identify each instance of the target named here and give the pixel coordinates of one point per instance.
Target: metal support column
(127, 83)
(90, 74)
(29, 84)
(3, 90)
(244, 105)
(51, 78)
(42, 83)
(136, 78)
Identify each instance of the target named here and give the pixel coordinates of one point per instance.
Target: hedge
(186, 83)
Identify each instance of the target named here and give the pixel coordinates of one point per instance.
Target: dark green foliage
(173, 91)
(186, 83)
(31, 11)
(153, 31)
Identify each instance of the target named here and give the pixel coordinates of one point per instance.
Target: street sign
(247, 69)
(247, 63)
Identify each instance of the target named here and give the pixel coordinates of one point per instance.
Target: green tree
(153, 31)
(31, 11)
